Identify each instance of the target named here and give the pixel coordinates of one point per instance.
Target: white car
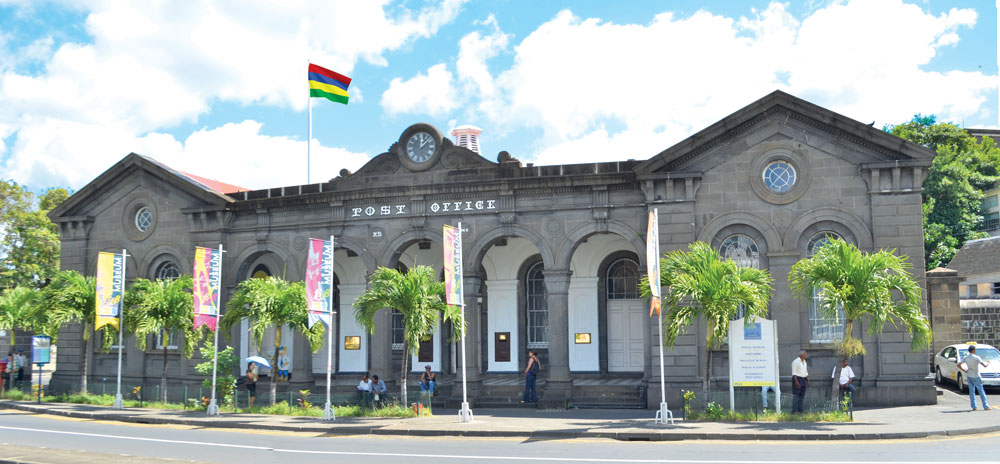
(946, 365)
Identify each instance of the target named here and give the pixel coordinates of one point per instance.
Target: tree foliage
(160, 308)
(271, 303)
(20, 310)
(29, 241)
(699, 283)
(952, 195)
(418, 296)
(874, 286)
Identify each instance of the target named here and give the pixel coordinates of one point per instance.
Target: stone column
(945, 311)
(558, 384)
(471, 285)
(380, 347)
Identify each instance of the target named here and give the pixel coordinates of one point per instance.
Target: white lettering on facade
(435, 207)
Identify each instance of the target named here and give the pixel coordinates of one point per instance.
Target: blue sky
(218, 88)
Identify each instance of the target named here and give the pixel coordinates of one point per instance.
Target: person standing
(971, 369)
(800, 381)
(21, 362)
(6, 375)
(378, 388)
(531, 374)
(251, 384)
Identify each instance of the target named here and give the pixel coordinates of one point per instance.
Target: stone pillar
(945, 311)
(471, 285)
(380, 347)
(558, 384)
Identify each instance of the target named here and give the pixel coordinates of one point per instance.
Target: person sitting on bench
(427, 380)
(846, 378)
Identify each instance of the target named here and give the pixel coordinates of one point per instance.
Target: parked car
(946, 365)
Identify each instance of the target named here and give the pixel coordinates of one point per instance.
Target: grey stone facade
(579, 221)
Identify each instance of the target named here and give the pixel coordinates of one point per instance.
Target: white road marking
(467, 457)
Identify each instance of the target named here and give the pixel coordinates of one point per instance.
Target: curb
(529, 434)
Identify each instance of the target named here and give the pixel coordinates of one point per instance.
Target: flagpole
(328, 413)
(119, 401)
(213, 406)
(663, 416)
(309, 143)
(465, 415)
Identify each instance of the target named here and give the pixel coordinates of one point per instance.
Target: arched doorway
(626, 317)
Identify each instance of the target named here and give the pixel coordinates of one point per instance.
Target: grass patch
(16, 395)
(769, 416)
(389, 410)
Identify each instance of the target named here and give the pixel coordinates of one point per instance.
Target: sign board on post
(753, 356)
(40, 346)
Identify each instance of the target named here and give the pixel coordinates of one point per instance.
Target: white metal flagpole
(328, 412)
(213, 406)
(465, 414)
(309, 140)
(119, 401)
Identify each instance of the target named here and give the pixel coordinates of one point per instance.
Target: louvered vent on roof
(467, 136)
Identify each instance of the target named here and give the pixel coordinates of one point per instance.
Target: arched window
(167, 270)
(822, 329)
(537, 307)
(623, 280)
(741, 249)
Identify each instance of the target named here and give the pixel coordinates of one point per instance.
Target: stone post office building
(552, 253)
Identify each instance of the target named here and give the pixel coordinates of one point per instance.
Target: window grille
(537, 307)
(623, 280)
(821, 328)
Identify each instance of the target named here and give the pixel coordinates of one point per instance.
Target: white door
(626, 347)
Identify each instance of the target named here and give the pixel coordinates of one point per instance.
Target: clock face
(420, 147)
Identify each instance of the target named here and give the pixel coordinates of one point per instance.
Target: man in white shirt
(20, 361)
(365, 386)
(846, 378)
(800, 381)
(971, 369)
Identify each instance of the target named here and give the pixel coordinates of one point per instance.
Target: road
(76, 440)
(992, 395)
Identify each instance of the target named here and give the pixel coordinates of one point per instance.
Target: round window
(167, 270)
(779, 177)
(143, 218)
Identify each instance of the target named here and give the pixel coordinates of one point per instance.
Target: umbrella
(262, 362)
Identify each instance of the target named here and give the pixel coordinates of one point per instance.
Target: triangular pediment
(129, 166)
(779, 108)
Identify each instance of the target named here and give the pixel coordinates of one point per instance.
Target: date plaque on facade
(582, 338)
(352, 342)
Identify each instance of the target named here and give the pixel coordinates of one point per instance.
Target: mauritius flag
(328, 84)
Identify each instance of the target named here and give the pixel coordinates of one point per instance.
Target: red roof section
(216, 185)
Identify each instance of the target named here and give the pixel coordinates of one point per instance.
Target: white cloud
(431, 93)
(61, 153)
(153, 65)
(656, 83)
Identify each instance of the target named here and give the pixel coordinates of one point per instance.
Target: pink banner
(653, 262)
(207, 280)
(452, 265)
(319, 281)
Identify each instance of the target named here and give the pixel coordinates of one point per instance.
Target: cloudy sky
(218, 87)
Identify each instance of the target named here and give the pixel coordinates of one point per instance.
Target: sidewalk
(950, 416)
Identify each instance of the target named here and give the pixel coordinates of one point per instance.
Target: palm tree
(272, 302)
(19, 309)
(699, 283)
(874, 286)
(161, 307)
(418, 296)
(70, 299)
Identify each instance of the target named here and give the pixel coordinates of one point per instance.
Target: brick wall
(981, 321)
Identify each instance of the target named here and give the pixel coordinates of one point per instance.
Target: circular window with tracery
(143, 218)
(779, 177)
(167, 270)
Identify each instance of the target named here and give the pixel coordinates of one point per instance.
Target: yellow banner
(110, 287)
(753, 384)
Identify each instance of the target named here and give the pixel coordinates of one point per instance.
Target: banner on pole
(207, 285)
(319, 281)
(653, 262)
(453, 265)
(110, 288)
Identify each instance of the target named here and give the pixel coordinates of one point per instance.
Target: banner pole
(328, 413)
(465, 415)
(213, 406)
(119, 401)
(663, 416)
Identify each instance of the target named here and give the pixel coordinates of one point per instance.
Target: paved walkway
(950, 416)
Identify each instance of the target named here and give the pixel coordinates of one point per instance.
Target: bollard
(185, 397)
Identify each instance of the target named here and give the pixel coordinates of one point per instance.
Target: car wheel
(937, 376)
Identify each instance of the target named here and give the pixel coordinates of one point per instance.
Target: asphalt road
(74, 440)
